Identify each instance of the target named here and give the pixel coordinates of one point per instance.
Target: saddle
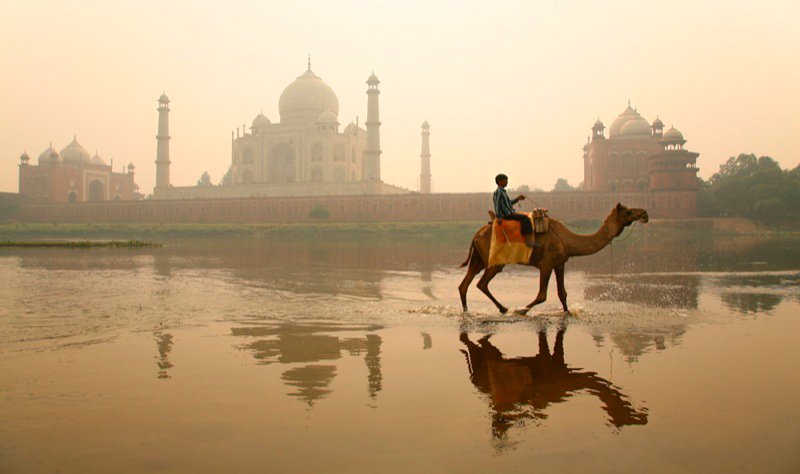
(541, 221)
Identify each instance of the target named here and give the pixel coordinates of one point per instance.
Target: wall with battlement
(257, 190)
(383, 208)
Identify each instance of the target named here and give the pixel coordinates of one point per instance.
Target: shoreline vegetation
(79, 244)
(141, 235)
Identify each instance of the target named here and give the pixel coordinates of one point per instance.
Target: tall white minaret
(372, 155)
(162, 152)
(425, 174)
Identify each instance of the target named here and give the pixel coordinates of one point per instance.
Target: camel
(556, 247)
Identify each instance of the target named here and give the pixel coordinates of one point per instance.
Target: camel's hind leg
(483, 285)
(544, 281)
(474, 266)
(562, 290)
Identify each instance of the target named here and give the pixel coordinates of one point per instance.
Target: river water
(257, 356)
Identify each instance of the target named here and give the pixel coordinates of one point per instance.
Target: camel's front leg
(562, 290)
(544, 281)
(483, 285)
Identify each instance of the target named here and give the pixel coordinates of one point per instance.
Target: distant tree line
(754, 188)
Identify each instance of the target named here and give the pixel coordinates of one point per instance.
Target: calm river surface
(256, 356)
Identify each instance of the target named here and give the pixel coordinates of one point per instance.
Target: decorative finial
(309, 61)
(629, 102)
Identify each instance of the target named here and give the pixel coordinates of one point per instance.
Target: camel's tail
(469, 255)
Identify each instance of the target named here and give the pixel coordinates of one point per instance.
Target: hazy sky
(506, 86)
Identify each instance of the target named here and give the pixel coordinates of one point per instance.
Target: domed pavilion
(73, 175)
(637, 156)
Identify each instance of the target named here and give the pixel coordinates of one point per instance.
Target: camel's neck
(587, 244)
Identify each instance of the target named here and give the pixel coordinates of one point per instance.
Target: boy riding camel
(504, 208)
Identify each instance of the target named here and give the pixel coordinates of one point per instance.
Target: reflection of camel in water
(521, 388)
(557, 246)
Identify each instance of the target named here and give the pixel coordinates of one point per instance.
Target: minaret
(372, 155)
(162, 152)
(425, 174)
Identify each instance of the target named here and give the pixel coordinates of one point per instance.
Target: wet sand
(226, 356)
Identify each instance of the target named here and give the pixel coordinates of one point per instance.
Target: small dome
(164, 99)
(635, 127)
(306, 98)
(50, 155)
(373, 79)
(673, 134)
(75, 153)
(327, 117)
(24, 157)
(598, 125)
(425, 125)
(96, 160)
(658, 123)
(260, 121)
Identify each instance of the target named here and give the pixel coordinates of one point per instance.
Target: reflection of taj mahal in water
(305, 153)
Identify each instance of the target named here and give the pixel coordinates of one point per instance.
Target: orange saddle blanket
(508, 243)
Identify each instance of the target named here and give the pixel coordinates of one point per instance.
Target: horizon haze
(511, 87)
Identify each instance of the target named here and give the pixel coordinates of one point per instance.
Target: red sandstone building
(638, 157)
(73, 176)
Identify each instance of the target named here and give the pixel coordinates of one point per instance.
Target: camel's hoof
(521, 311)
(503, 310)
(567, 312)
(465, 309)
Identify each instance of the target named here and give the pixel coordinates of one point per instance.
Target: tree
(562, 186)
(751, 187)
(205, 180)
(227, 178)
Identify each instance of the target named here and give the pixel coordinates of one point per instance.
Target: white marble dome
(50, 155)
(75, 153)
(306, 98)
(327, 117)
(97, 160)
(635, 127)
(673, 134)
(629, 114)
(261, 121)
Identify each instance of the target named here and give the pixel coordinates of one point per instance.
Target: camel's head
(627, 216)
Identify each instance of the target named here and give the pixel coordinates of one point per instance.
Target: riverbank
(411, 231)
(79, 244)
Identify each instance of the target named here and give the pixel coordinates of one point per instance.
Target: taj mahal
(305, 153)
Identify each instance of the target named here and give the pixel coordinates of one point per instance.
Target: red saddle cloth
(507, 231)
(508, 243)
